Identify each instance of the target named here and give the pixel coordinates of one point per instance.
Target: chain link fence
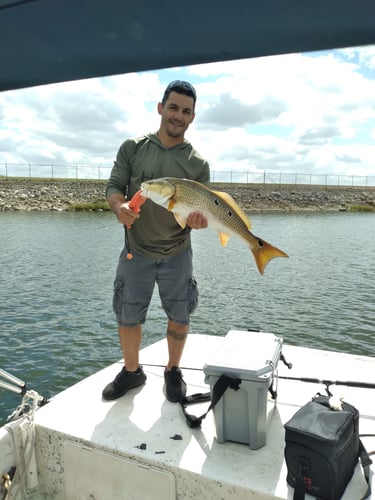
(99, 172)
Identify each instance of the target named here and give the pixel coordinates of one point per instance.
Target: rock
(58, 195)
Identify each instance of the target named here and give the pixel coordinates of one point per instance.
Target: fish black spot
(230, 213)
(216, 201)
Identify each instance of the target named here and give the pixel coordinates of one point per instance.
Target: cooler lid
(246, 355)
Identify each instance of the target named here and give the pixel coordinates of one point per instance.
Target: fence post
(29, 171)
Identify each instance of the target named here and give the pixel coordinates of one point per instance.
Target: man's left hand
(197, 220)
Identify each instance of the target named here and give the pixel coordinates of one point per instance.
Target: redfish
(183, 196)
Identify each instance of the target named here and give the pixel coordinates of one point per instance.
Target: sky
(311, 113)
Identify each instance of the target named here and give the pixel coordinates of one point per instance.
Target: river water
(57, 269)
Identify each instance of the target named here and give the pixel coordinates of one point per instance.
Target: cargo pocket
(193, 295)
(118, 291)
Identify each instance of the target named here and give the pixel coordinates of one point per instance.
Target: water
(57, 269)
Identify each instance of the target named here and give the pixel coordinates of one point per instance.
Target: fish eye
(260, 243)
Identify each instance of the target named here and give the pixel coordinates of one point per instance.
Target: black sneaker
(123, 382)
(175, 387)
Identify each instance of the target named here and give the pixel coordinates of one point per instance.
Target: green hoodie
(156, 233)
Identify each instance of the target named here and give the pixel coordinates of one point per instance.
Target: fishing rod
(163, 366)
(327, 383)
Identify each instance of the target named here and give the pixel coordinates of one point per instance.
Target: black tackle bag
(322, 447)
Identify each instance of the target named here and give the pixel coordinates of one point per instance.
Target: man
(159, 248)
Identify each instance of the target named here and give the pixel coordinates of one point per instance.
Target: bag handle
(221, 385)
(365, 462)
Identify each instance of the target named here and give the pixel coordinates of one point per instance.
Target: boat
(140, 446)
(77, 446)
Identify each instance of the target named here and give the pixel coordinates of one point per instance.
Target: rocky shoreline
(59, 195)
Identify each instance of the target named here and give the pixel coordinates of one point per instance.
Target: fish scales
(191, 196)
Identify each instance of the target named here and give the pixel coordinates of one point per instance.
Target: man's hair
(180, 87)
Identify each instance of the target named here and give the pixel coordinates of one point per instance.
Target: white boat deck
(139, 446)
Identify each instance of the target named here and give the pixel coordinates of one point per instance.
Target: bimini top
(46, 41)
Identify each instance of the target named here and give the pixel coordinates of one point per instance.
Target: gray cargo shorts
(135, 281)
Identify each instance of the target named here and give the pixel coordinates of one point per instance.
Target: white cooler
(243, 415)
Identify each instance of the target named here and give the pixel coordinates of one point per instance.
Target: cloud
(318, 136)
(347, 158)
(311, 113)
(228, 111)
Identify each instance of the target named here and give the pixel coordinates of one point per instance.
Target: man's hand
(125, 215)
(197, 220)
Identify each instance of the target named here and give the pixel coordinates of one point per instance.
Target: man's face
(176, 114)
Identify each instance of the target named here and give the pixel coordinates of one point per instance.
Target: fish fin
(227, 198)
(224, 238)
(264, 252)
(180, 220)
(137, 201)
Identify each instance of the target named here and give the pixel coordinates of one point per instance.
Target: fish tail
(264, 252)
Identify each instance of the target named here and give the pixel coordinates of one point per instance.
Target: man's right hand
(120, 207)
(125, 215)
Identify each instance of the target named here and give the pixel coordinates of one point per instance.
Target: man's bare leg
(130, 340)
(176, 338)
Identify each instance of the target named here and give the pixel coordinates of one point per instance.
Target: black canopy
(46, 41)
